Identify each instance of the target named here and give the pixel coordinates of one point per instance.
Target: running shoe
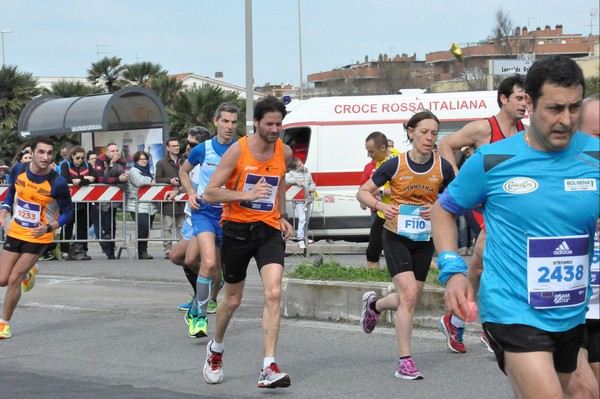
(486, 342)
(408, 370)
(5, 330)
(187, 305)
(29, 282)
(211, 307)
(454, 335)
(301, 244)
(213, 367)
(47, 256)
(272, 377)
(368, 318)
(197, 326)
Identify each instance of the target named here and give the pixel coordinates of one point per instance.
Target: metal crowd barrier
(156, 194)
(99, 198)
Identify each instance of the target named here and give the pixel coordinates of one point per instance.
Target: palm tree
(66, 88)
(17, 89)
(166, 88)
(142, 73)
(107, 72)
(197, 106)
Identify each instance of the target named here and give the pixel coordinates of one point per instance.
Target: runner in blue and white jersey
(206, 218)
(540, 197)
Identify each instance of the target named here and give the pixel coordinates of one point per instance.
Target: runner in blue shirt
(540, 197)
(206, 218)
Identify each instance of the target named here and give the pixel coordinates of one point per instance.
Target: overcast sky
(63, 37)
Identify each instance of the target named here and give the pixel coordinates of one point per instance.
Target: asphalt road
(100, 329)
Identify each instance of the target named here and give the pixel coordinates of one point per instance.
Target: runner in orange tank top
(415, 178)
(250, 182)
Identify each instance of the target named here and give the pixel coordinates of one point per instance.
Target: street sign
(510, 67)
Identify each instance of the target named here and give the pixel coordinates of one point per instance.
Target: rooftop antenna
(593, 13)
(98, 52)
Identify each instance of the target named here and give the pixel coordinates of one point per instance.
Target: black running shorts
(236, 253)
(520, 338)
(405, 255)
(24, 247)
(591, 340)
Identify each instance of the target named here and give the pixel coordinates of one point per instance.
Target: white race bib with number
(557, 271)
(411, 225)
(27, 214)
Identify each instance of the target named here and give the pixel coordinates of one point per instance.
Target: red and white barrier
(294, 193)
(94, 193)
(157, 193)
(3, 192)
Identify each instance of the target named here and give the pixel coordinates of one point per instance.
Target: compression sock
(191, 277)
(203, 285)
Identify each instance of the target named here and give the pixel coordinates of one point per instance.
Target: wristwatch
(48, 228)
(283, 216)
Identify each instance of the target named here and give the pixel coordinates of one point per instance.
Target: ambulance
(328, 134)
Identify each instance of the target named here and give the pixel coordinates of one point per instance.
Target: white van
(328, 134)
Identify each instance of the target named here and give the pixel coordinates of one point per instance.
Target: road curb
(341, 301)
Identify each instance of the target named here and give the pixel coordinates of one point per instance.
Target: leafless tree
(505, 40)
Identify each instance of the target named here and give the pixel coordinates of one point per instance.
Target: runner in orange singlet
(250, 182)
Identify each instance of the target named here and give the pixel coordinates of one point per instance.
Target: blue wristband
(449, 264)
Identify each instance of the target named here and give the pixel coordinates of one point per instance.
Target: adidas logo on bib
(563, 249)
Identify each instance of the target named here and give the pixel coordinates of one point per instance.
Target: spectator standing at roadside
(110, 169)
(3, 171)
(299, 175)
(92, 206)
(143, 211)
(167, 172)
(78, 172)
(65, 153)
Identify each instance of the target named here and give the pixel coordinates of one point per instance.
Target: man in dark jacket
(110, 169)
(167, 172)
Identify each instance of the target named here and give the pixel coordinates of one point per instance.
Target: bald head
(590, 116)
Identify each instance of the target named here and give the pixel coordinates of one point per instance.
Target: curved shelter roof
(127, 109)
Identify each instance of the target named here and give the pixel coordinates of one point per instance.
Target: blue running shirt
(208, 155)
(540, 209)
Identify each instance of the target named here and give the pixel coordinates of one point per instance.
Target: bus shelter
(134, 118)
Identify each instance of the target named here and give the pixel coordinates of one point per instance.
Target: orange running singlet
(248, 171)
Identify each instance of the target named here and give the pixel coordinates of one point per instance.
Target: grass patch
(332, 270)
